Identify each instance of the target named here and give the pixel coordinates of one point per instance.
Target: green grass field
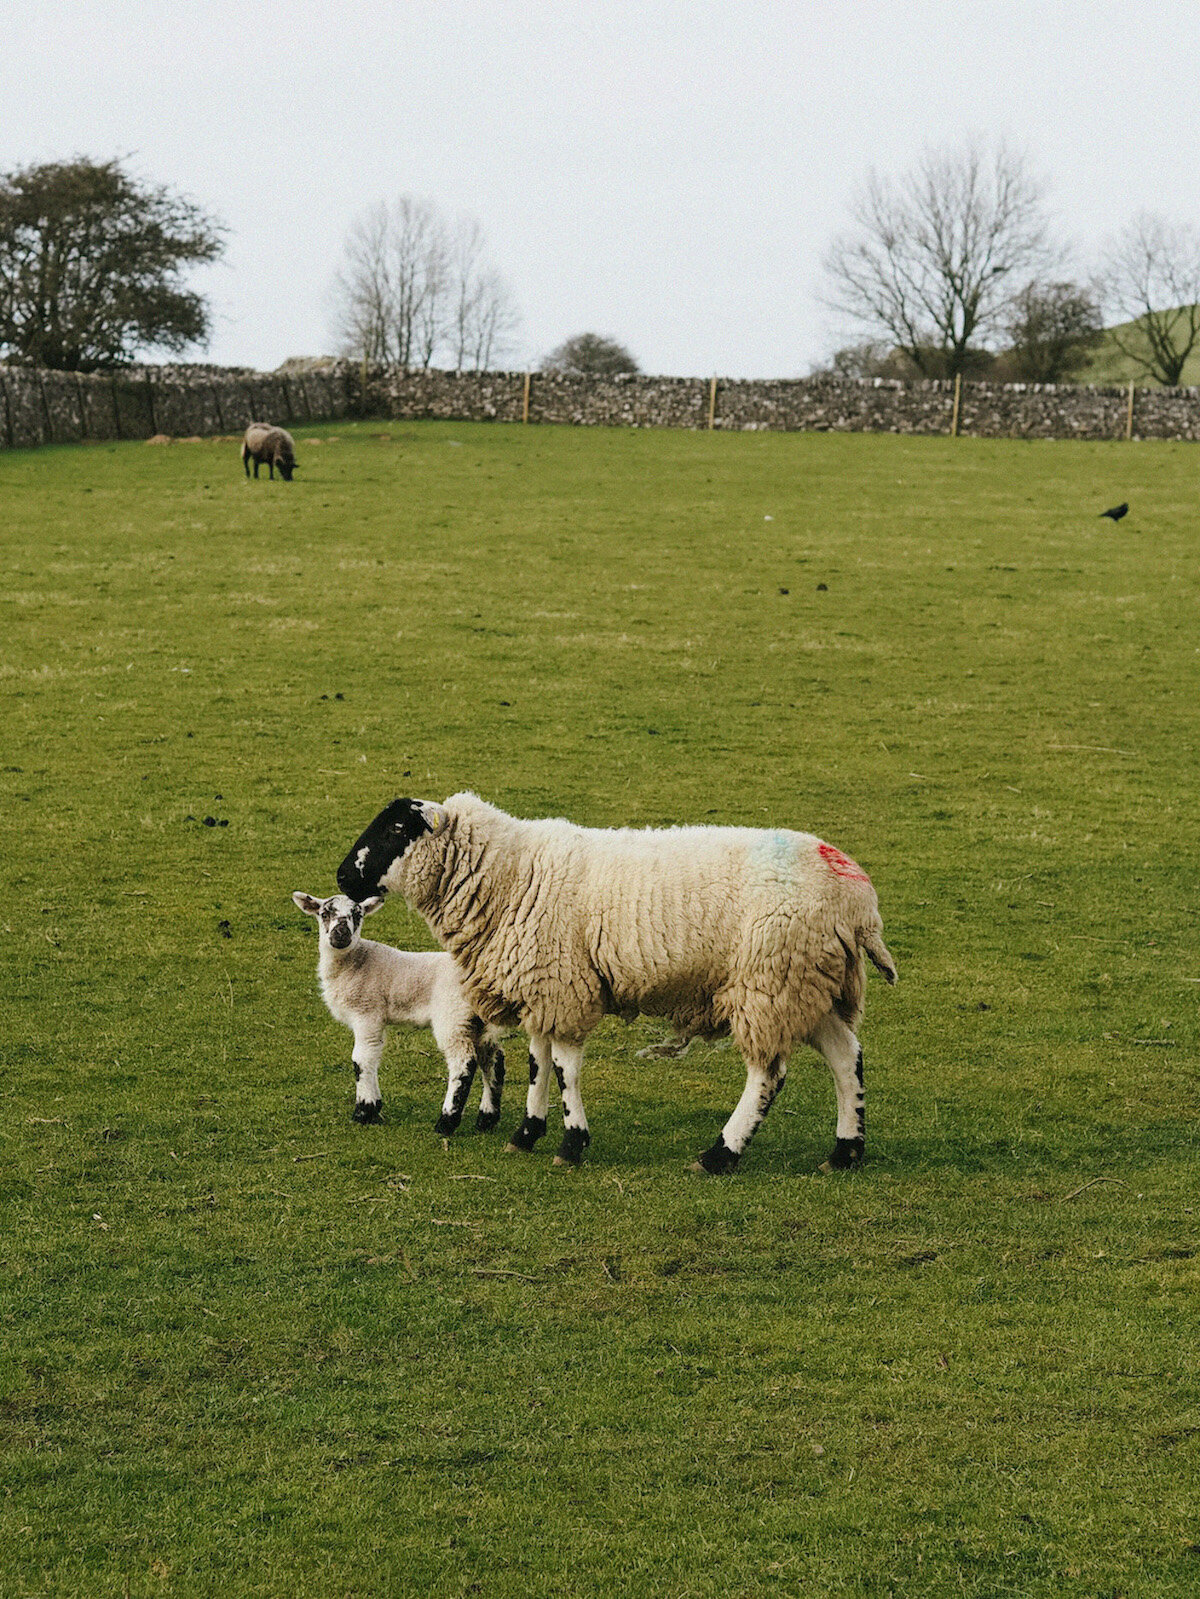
(248, 1348)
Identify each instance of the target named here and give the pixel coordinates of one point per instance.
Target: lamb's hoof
(570, 1151)
(486, 1121)
(447, 1123)
(718, 1160)
(846, 1155)
(526, 1135)
(367, 1110)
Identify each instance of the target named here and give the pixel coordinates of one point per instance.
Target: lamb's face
(378, 850)
(286, 468)
(338, 917)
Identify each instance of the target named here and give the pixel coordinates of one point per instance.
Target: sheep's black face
(286, 468)
(376, 850)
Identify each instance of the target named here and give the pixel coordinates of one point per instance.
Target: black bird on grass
(1116, 511)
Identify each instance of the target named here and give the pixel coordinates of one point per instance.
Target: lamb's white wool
(370, 987)
(720, 929)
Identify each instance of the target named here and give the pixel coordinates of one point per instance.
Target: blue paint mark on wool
(776, 852)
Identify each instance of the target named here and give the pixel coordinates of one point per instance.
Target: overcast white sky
(668, 173)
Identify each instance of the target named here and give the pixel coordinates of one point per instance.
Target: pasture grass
(250, 1348)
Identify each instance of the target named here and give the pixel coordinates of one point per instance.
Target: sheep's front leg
(843, 1055)
(537, 1099)
(368, 1050)
(763, 1082)
(491, 1069)
(568, 1065)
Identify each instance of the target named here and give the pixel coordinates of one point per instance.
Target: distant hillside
(1108, 365)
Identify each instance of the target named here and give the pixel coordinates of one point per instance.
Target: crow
(1117, 511)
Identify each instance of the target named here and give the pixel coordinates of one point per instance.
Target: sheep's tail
(877, 950)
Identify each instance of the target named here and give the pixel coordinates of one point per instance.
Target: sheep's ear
(369, 906)
(437, 816)
(307, 903)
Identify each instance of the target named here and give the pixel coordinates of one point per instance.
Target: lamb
(273, 445)
(370, 986)
(759, 934)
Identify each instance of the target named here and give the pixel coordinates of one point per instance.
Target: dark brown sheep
(275, 446)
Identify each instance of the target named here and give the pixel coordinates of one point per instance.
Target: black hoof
(718, 1160)
(570, 1151)
(528, 1133)
(447, 1123)
(368, 1110)
(847, 1153)
(486, 1121)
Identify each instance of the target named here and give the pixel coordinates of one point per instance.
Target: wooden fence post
(712, 402)
(1129, 413)
(957, 404)
(525, 397)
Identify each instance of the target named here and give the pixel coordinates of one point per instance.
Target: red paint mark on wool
(841, 864)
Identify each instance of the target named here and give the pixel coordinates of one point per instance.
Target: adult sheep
(721, 929)
(273, 445)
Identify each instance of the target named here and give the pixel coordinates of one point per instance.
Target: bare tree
(934, 256)
(483, 314)
(361, 290)
(1150, 277)
(411, 290)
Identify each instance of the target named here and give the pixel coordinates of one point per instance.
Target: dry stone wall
(39, 407)
(986, 410)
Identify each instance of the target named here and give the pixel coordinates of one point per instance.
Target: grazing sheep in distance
(273, 445)
(370, 986)
(721, 929)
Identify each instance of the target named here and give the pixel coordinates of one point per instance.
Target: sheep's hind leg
(568, 1064)
(368, 1050)
(843, 1055)
(763, 1083)
(538, 1098)
(491, 1067)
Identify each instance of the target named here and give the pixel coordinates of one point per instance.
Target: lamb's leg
(368, 1050)
(460, 1076)
(491, 1068)
(843, 1055)
(763, 1082)
(459, 1043)
(568, 1064)
(538, 1097)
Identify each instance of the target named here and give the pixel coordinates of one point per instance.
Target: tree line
(951, 269)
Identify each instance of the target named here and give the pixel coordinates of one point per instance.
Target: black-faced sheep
(721, 929)
(273, 445)
(370, 987)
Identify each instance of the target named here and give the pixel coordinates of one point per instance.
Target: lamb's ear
(437, 816)
(307, 903)
(369, 906)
